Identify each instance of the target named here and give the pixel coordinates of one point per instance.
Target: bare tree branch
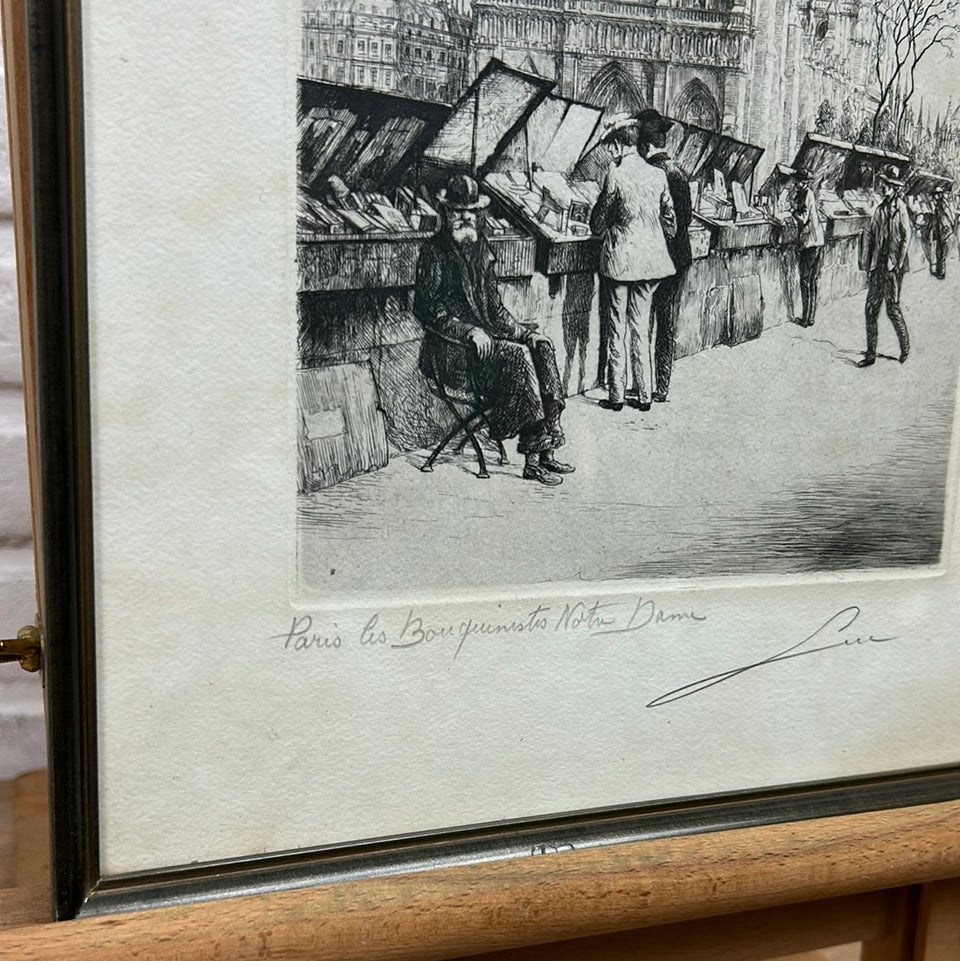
(905, 32)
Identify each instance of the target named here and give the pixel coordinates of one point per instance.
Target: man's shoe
(610, 405)
(641, 405)
(533, 472)
(659, 398)
(867, 361)
(556, 467)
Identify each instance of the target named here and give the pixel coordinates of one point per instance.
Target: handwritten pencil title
(412, 629)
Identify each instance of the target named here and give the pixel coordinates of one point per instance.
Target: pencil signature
(836, 632)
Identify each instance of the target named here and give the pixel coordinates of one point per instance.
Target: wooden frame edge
(457, 912)
(42, 44)
(553, 888)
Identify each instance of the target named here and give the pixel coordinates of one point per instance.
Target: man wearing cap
(633, 216)
(652, 130)
(810, 245)
(884, 257)
(478, 343)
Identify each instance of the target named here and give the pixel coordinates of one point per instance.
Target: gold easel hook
(25, 649)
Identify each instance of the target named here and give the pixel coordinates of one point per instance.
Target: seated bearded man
(479, 345)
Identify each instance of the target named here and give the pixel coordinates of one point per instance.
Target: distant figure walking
(942, 229)
(884, 257)
(810, 244)
(652, 129)
(633, 216)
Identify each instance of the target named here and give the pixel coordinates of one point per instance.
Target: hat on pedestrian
(651, 121)
(803, 174)
(620, 127)
(891, 175)
(462, 193)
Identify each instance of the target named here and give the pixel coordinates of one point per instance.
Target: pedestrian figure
(810, 244)
(652, 131)
(633, 216)
(921, 223)
(884, 257)
(942, 228)
(472, 341)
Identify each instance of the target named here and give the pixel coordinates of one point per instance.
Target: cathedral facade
(689, 60)
(813, 63)
(758, 70)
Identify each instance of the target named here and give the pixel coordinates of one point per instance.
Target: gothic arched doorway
(697, 105)
(615, 89)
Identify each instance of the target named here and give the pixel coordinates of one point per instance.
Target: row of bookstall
(371, 165)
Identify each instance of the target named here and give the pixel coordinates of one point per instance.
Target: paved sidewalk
(776, 456)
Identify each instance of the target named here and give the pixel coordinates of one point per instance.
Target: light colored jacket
(634, 216)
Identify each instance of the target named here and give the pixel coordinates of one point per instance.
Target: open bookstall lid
(370, 140)
(556, 137)
(780, 177)
(486, 118)
(925, 182)
(699, 152)
(836, 163)
(825, 158)
(880, 157)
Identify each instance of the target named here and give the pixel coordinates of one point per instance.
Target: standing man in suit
(812, 239)
(652, 131)
(633, 216)
(885, 260)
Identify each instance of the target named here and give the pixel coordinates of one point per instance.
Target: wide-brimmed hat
(803, 174)
(652, 121)
(616, 125)
(891, 175)
(462, 193)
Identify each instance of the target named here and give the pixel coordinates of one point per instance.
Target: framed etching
(462, 432)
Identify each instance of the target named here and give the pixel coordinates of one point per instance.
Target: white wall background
(21, 718)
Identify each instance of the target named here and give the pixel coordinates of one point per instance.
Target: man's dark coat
(679, 243)
(456, 292)
(666, 298)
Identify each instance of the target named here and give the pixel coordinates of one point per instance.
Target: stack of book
(418, 209)
(715, 208)
(744, 211)
(860, 202)
(499, 226)
(554, 202)
(341, 211)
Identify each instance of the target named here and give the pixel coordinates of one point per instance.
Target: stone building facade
(807, 53)
(758, 70)
(687, 59)
(409, 47)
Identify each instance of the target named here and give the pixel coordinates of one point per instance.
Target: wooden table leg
(938, 923)
(24, 852)
(896, 944)
(8, 838)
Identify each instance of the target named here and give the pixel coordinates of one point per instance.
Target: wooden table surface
(883, 879)
(24, 852)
